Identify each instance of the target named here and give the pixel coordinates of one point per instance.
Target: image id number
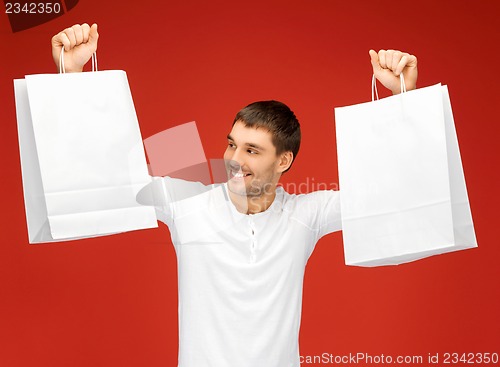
(32, 8)
(470, 358)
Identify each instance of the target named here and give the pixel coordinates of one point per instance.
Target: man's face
(252, 166)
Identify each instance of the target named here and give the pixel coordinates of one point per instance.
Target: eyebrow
(251, 145)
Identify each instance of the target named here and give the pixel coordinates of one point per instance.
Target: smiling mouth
(239, 174)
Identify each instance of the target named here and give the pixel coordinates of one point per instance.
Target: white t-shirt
(241, 276)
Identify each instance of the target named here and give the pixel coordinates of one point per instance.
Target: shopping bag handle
(374, 86)
(62, 70)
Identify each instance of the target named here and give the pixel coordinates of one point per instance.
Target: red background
(112, 301)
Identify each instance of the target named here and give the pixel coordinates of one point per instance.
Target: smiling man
(242, 247)
(262, 145)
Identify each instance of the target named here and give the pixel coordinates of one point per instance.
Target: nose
(235, 160)
(234, 166)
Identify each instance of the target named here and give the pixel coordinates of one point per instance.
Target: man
(242, 246)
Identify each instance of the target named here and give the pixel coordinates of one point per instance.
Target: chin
(242, 190)
(237, 188)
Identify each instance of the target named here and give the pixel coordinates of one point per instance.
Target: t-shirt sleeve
(319, 211)
(156, 194)
(329, 218)
(164, 192)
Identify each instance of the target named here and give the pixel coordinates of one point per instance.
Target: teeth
(238, 174)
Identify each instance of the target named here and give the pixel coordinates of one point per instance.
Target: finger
(388, 58)
(77, 30)
(70, 33)
(61, 40)
(85, 31)
(412, 61)
(374, 60)
(56, 40)
(381, 59)
(93, 36)
(401, 65)
(396, 58)
(407, 61)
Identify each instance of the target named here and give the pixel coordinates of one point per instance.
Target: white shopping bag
(403, 193)
(82, 157)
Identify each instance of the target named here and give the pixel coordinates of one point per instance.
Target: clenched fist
(79, 42)
(389, 64)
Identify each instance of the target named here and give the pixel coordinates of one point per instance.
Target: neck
(253, 204)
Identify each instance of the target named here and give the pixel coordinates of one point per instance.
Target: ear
(286, 159)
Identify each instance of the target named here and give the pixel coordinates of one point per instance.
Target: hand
(388, 65)
(79, 41)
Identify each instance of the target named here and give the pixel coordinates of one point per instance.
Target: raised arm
(389, 64)
(79, 42)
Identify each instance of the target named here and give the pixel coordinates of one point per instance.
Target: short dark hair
(279, 119)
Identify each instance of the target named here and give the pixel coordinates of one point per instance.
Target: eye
(231, 145)
(250, 151)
